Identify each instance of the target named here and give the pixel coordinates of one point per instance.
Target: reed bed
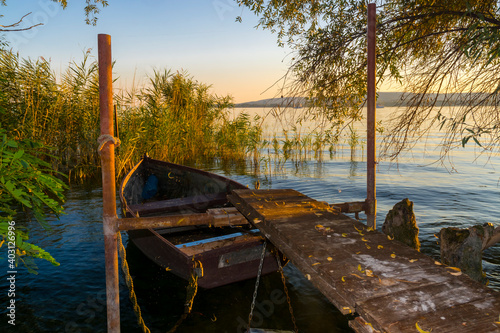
(173, 118)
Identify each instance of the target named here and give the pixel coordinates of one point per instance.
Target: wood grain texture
(390, 285)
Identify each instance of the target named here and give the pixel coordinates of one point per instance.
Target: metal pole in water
(107, 152)
(371, 197)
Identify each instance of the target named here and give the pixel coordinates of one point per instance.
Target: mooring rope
(130, 284)
(191, 289)
(103, 139)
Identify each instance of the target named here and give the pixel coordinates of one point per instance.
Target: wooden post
(371, 197)
(110, 227)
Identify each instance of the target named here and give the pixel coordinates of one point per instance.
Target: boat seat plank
(214, 239)
(197, 203)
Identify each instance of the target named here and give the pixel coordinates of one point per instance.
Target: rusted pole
(371, 197)
(108, 183)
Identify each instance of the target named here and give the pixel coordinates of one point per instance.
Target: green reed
(173, 118)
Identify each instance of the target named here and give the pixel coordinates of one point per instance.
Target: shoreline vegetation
(173, 118)
(384, 99)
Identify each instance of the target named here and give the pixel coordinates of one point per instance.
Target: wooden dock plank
(359, 270)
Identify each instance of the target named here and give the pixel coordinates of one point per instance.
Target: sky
(201, 37)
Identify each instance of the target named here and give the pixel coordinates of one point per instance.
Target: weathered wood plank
(390, 285)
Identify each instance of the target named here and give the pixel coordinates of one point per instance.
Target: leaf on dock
(393, 255)
(412, 260)
(364, 239)
(347, 308)
(421, 330)
(369, 273)
(316, 263)
(344, 235)
(256, 220)
(390, 238)
(329, 258)
(356, 275)
(343, 279)
(180, 221)
(368, 246)
(380, 247)
(437, 263)
(454, 268)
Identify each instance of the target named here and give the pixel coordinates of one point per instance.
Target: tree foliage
(91, 10)
(439, 51)
(26, 183)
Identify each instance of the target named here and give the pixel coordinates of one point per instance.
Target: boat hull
(219, 256)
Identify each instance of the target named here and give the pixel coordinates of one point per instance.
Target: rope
(257, 281)
(105, 138)
(130, 284)
(191, 291)
(286, 291)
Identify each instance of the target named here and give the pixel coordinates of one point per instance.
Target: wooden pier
(388, 286)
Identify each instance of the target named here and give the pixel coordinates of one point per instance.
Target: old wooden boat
(220, 254)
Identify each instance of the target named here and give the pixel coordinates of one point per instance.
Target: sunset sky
(200, 37)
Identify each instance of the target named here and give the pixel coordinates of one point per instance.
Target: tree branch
(7, 27)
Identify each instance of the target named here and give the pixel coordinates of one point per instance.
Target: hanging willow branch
(441, 52)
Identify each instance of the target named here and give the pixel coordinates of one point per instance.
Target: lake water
(70, 298)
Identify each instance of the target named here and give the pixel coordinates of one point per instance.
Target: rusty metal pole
(110, 226)
(371, 196)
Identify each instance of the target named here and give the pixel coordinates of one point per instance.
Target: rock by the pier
(463, 248)
(401, 224)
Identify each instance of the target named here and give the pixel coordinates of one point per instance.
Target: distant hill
(384, 99)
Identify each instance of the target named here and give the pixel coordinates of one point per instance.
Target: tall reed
(173, 118)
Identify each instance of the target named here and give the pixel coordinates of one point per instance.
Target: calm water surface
(70, 298)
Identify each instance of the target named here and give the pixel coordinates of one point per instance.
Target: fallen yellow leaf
(329, 258)
(369, 273)
(256, 220)
(168, 269)
(363, 239)
(344, 235)
(419, 329)
(368, 246)
(454, 268)
(179, 222)
(389, 237)
(456, 273)
(437, 263)
(380, 247)
(343, 279)
(316, 263)
(393, 256)
(347, 308)
(358, 229)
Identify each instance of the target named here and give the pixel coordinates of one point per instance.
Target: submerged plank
(390, 285)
